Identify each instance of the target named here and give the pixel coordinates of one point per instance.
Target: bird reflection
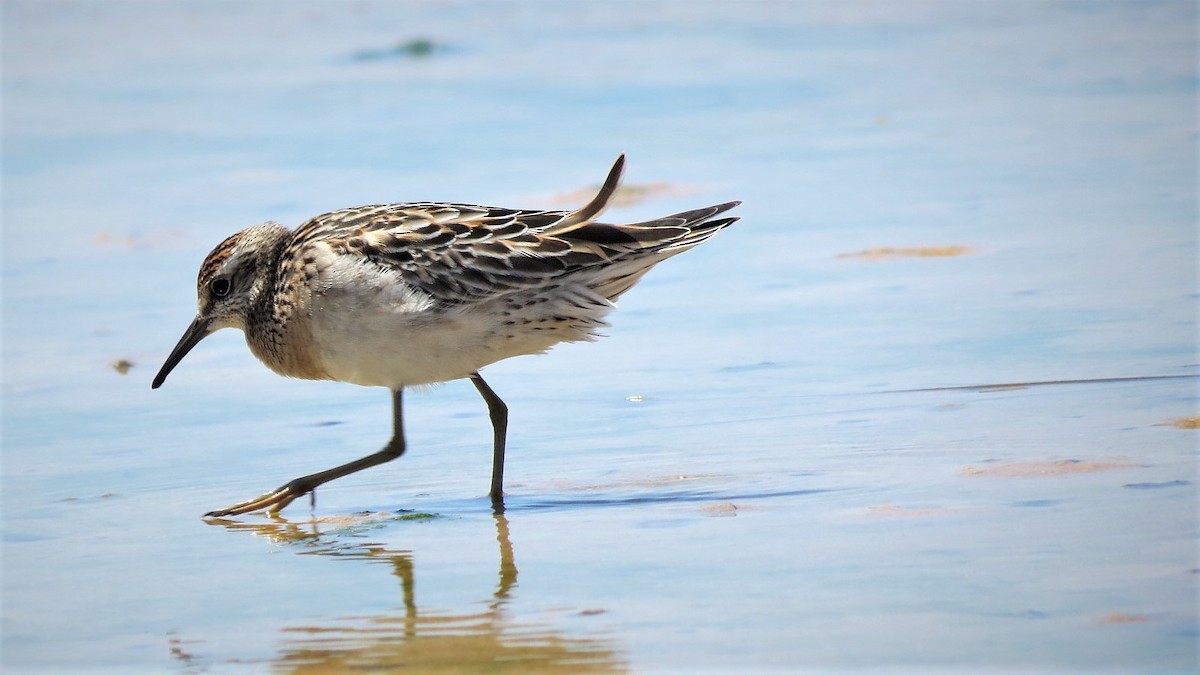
(419, 638)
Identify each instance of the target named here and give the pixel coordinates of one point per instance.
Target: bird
(408, 294)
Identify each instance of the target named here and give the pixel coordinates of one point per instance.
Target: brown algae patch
(1124, 617)
(154, 241)
(652, 482)
(1065, 467)
(1185, 423)
(894, 511)
(723, 510)
(669, 480)
(895, 253)
(630, 194)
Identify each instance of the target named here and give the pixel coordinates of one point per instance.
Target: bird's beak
(200, 328)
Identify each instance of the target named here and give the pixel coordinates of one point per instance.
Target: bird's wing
(459, 253)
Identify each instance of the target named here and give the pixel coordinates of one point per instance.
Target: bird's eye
(220, 287)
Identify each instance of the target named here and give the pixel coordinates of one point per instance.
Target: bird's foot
(273, 501)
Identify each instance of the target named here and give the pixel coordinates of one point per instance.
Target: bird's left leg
(285, 494)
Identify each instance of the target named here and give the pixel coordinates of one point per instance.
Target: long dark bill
(193, 335)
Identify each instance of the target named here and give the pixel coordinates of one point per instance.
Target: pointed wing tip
(616, 172)
(718, 209)
(588, 212)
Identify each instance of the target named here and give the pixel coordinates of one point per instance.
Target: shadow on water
(687, 496)
(416, 637)
(1006, 386)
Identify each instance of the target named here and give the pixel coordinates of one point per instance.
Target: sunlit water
(766, 466)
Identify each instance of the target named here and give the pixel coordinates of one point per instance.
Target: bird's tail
(656, 240)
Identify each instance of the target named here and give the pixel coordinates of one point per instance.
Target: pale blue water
(741, 477)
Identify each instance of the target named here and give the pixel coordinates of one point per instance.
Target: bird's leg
(499, 414)
(275, 500)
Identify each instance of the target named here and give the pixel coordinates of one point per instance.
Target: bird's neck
(277, 325)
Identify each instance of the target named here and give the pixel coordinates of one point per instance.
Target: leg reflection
(488, 635)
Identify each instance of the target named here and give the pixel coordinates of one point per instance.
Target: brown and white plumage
(398, 295)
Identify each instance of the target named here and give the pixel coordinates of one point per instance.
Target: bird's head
(231, 282)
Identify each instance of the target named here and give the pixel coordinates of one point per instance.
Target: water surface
(788, 454)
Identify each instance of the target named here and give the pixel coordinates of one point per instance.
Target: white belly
(374, 330)
(374, 342)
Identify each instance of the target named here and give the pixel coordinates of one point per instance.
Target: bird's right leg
(498, 412)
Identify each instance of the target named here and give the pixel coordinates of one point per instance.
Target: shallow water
(787, 454)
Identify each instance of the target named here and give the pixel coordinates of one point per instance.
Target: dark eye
(220, 287)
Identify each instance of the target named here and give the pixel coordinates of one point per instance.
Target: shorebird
(399, 295)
